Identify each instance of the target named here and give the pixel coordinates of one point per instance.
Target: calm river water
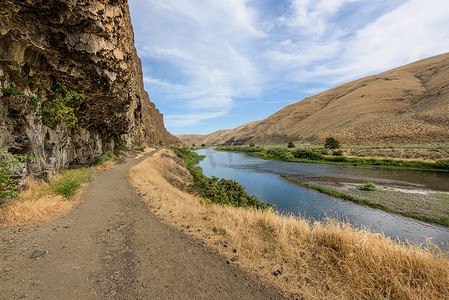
(262, 179)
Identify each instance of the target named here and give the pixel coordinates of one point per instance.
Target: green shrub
(337, 153)
(216, 190)
(12, 90)
(8, 185)
(71, 181)
(338, 159)
(442, 164)
(60, 107)
(281, 153)
(119, 146)
(369, 186)
(100, 160)
(308, 154)
(239, 149)
(331, 143)
(291, 145)
(252, 145)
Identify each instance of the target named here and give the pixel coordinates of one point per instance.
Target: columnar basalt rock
(88, 46)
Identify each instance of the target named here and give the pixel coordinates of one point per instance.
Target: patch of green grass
(100, 160)
(442, 196)
(70, 182)
(369, 186)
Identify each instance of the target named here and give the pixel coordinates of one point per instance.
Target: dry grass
(38, 203)
(321, 260)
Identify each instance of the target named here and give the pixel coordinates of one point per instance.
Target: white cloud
(311, 17)
(208, 46)
(203, 56)
(192, 119)
(410, 32)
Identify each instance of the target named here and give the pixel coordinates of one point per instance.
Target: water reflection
(210, 158)
(261, 178)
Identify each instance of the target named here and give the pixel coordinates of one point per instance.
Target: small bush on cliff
(8, 186)
(12, 90)
(291, 145)
(60, 107)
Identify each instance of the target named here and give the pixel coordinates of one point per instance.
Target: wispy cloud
(191, 119)
(209, 43)
(202, 58)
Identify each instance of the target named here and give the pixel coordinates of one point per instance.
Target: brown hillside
(406, 104)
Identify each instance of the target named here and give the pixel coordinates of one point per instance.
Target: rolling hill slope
(403, 105)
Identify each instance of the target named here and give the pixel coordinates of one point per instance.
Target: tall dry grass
(42, 202)
(328, 260)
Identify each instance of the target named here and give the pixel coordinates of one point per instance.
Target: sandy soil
(112, 247)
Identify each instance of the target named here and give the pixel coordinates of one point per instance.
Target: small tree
(331, 143)
(203, 145)
(291, 145)
(252, 145)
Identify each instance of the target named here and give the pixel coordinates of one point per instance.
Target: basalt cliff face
(88, 48)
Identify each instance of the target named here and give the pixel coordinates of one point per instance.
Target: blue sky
(217, 64)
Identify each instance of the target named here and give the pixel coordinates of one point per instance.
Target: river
(262, 178)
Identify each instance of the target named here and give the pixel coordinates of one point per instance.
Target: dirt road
(112, 247)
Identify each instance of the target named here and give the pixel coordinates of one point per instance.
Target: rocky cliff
(71, 83)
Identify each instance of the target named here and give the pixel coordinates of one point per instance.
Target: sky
(218, 64)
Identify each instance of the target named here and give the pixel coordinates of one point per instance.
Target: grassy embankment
(321, 260)
(316, 156)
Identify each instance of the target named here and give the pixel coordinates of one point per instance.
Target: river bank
(314, 156)
(307, 259)
(418, 203)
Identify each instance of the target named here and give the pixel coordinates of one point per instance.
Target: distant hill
(403, 105)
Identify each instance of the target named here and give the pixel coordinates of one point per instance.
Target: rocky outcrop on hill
(53, 50)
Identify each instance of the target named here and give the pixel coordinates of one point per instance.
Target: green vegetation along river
(262, 179)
